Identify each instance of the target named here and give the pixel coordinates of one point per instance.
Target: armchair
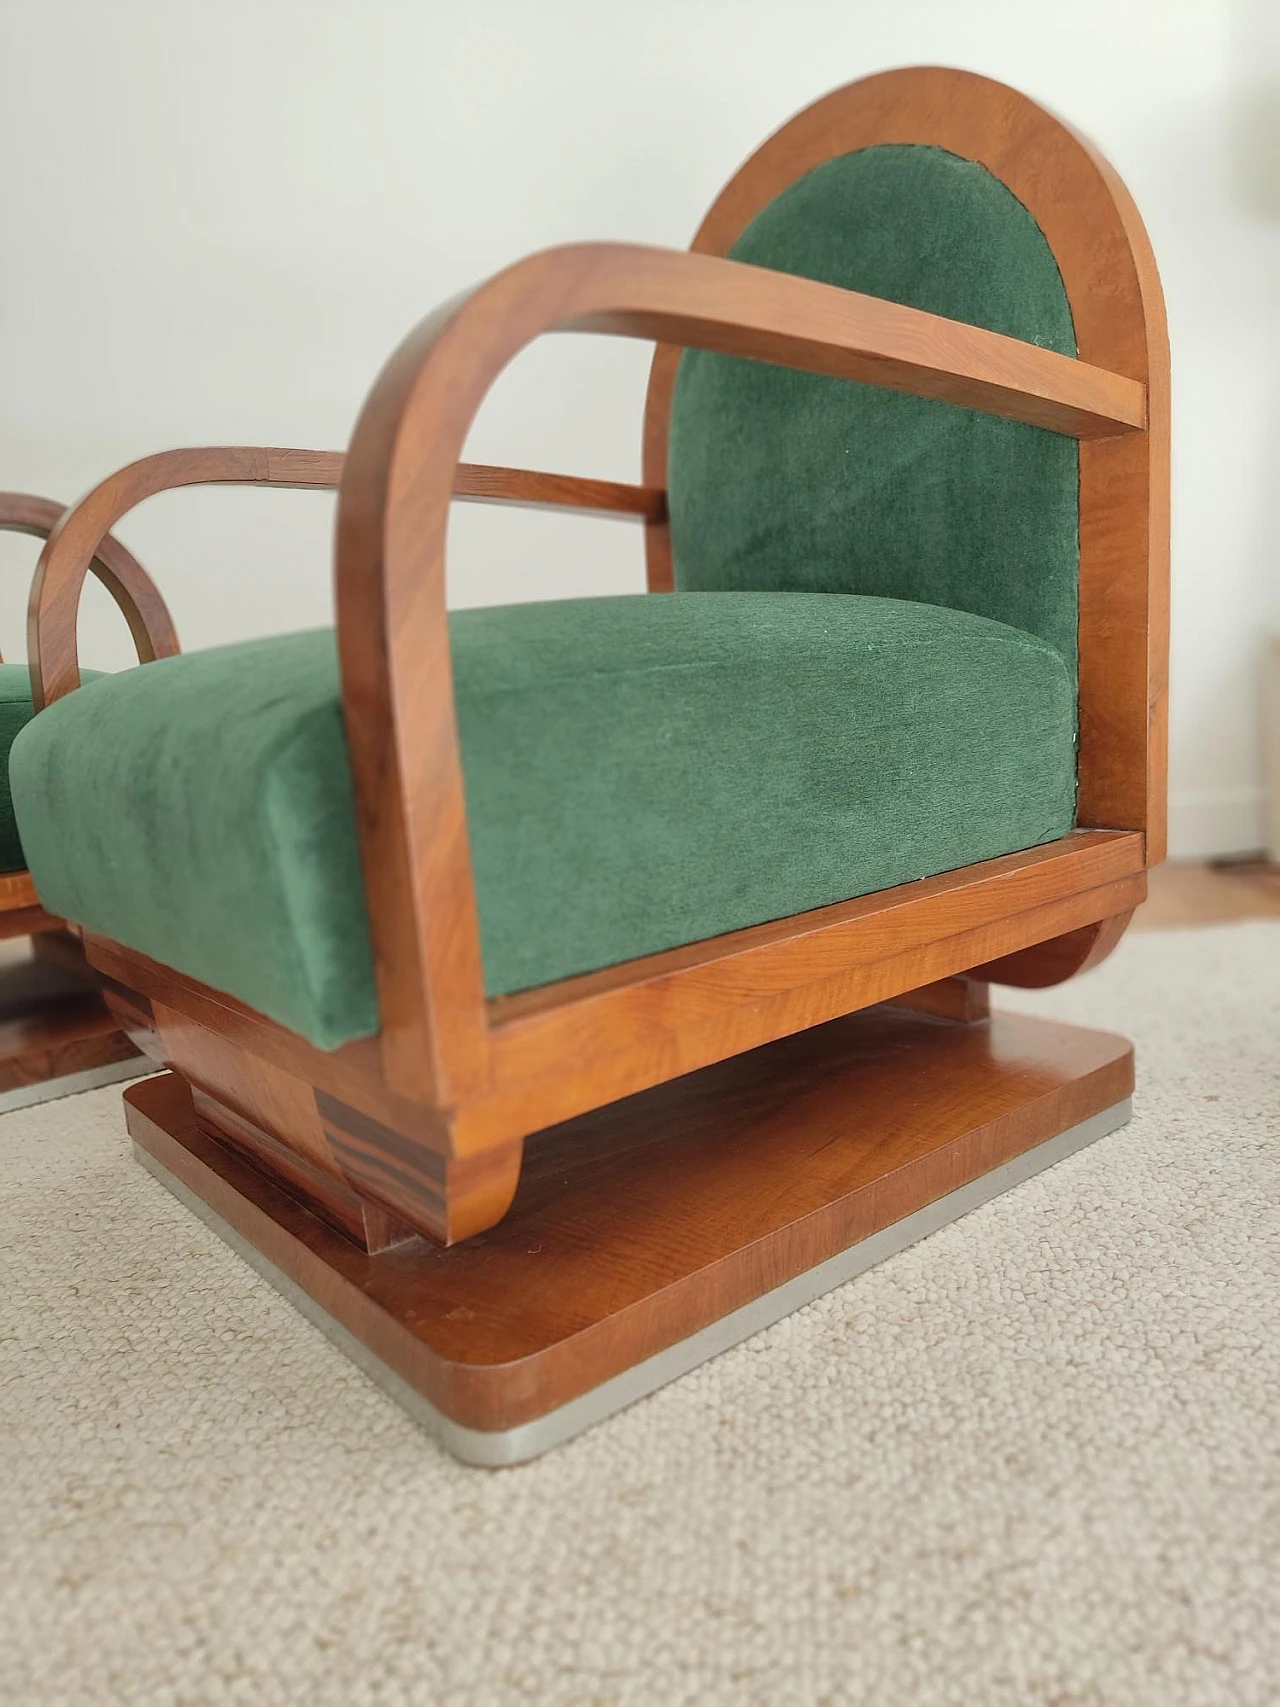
(56, 1034)
(669, 918)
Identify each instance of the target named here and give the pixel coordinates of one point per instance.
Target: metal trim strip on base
(494, 1449)
(71, 1084)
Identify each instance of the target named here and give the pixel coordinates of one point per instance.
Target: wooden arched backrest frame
(1113, 287)
(135, 593)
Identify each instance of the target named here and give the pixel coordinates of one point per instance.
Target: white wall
(221, 215)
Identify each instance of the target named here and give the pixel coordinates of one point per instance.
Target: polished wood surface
(84, 545)
(439, 1102)
(703, 301)
(52, 647)
(321, 1189)
(643, 1222)
(526, 488)
(53, 1022)
(17, 891)
(551, 1063)
(324, 1122)
(373, 1175)
(1061, 957)
(965, 999)
(607, 1035)
(680, 986)
(119, 571)
(27, 921)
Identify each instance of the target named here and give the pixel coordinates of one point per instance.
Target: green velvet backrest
(782, 480)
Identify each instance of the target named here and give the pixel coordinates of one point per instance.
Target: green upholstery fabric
(15, 713)
(792, 481)
(640, 772)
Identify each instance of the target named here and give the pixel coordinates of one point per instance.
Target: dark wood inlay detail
(447, 1196)
(368, 1225)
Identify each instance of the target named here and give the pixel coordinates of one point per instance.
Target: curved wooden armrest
(80, 543)
(527, 488)
(70, 549)
(392, 519)
(133, 590)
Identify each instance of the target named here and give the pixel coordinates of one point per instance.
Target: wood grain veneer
(640, 1223)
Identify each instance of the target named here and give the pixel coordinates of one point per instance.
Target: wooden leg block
(964, 999)
(56, 1034)
(648, 1235)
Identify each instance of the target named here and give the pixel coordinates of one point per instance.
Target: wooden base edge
(72, 1084)
(653, 1224)
(56, 1033)
(497, 1449)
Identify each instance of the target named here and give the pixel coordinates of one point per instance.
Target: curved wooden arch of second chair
(1113, 287)
(150, 624)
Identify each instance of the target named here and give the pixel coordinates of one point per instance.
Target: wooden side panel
(594, 1077)
(1017, 899)
(134, 1015)
(262, 1094)
(325, 1194)
(374, 1183)
(270, 1116)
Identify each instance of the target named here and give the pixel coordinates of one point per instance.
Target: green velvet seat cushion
(797, 482)
(16, 711)
(640, 772)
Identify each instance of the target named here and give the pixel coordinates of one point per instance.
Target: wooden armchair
(749, 1048)
(56, 1034)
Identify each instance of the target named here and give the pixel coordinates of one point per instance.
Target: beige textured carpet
(1033, 1460)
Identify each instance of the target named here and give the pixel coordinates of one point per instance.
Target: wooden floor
(1186, 892)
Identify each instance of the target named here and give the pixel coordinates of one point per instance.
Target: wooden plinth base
(647, 1236)
(56, 1035)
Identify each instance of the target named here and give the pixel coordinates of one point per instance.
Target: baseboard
(1208, 824)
